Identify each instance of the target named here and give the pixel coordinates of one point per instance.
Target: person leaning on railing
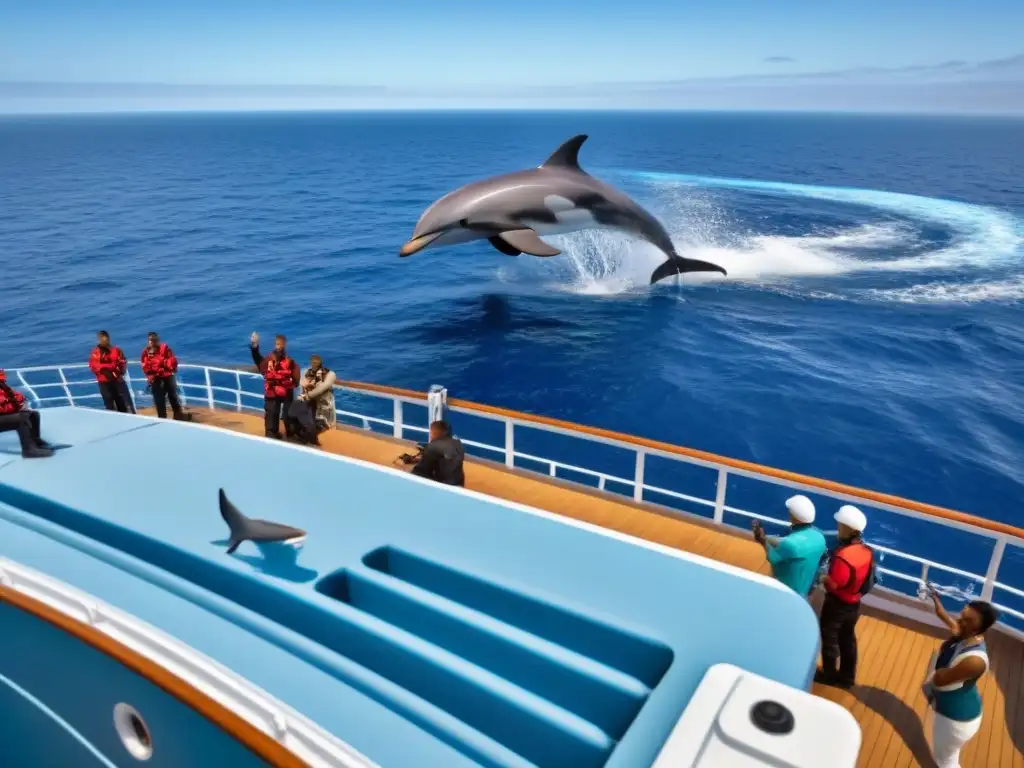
(280, 378)
(313, 412)
(796, 557)
(159, 364)
(15, 416)
(441, 459)
(108, 364)
(951, 686)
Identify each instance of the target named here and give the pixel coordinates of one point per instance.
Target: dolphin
(511, 212)
(245, 529)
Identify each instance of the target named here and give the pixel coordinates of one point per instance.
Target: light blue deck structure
(423, 625)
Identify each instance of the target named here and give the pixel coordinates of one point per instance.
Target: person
(108, 364)
(280, 377)
(314, 412)
(15, 416)
(951, 685)
(442, 458)
(797, 556)
(159, 364)
(851, 575)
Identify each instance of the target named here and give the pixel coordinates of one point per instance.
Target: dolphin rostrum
(244, 529)
(512, 210)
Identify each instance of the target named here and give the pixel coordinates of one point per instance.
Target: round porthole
(133, 732)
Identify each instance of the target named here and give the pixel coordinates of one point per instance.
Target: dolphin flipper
(527, 241)
(677, 265)
(502, 246)
(244, 529)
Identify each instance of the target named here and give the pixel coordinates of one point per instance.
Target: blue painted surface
(42, 660)
(417, 620)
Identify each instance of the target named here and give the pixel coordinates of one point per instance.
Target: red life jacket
(279, 378)
(859, 571)
(159, 364)
(107, 364)
(10, 401)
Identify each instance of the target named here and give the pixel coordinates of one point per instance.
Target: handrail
(237, 397)
(927, 510)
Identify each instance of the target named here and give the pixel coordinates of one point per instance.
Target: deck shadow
(901, 717)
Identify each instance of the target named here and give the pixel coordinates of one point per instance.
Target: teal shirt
(797, 556)
(963, 703)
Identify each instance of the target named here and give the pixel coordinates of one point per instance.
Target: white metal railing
(80, 390)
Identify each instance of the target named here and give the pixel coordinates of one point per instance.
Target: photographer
(796, 557)
(441, 459)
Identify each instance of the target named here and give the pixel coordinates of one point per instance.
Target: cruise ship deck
(897, 633)
(894, 652)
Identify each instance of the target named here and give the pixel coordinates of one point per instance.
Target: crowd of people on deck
(802, 561)
(304, 417)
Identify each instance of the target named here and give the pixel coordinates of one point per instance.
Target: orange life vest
(279, 378)
(860, 561)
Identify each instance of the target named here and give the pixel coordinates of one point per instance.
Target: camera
(737, 719)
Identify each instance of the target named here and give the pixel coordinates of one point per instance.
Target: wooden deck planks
(887, 701)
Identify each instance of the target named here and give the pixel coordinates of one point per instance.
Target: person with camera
(441, 459)
(796, 557)
(313, 412)
(956, 669)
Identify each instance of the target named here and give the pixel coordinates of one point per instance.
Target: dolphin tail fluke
(677, 265)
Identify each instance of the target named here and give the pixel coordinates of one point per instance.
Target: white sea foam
(599, 262)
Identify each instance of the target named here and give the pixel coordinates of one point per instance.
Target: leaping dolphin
(512, 210)
(245, 529)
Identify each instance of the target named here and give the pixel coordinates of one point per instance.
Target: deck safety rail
(240, 389)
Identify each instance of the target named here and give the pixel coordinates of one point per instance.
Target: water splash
(598, 262)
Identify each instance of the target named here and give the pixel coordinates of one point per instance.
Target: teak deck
(887, 701)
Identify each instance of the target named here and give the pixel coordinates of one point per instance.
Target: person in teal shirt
(796, 557)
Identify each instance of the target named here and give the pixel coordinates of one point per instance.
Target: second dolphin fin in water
(243, 528)
(677, 265)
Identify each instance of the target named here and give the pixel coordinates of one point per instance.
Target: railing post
(437, 403)
(510, 444)
(922, 591)
(209, 388)
(28, 388)
(238, 391)
(67, 389)
(723, 480)
(397, 418)
(993, 569)
(638, 477)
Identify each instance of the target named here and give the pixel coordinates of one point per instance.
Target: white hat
(853, 517)
(801, 508)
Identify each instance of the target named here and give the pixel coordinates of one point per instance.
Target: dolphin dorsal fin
(567, 155)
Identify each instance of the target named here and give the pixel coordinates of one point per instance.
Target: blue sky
(955, 56)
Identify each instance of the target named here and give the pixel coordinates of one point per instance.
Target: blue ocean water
(870, 330)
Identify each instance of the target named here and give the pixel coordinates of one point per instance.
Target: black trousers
(164, 390)
(274, 408)
(303, 417)
(838, 639)
(26, 423)
(115, 396)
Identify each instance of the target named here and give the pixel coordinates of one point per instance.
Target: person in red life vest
(15, 416)
(851, 575)
(280, 378)
(108, 364)
(159, 364)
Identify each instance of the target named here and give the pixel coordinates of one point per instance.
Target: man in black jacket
(441, 459)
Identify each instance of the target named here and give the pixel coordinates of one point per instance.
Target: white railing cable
(398, 425)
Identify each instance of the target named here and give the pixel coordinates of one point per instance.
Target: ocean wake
(977, 259)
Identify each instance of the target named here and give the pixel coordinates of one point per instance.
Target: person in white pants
(951, 686)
